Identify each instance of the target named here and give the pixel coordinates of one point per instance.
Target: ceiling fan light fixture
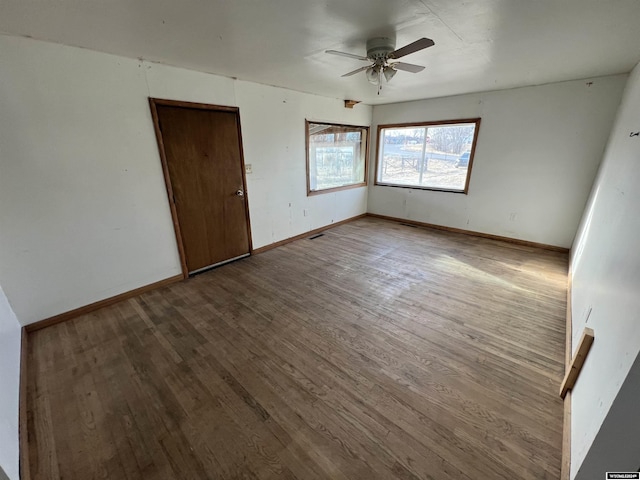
(379, 51)
(389, 72)
(373, 75)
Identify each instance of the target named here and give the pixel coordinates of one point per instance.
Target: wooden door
(202, 155)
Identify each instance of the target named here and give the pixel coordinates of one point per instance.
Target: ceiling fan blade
(344, 54)
(358, 70)
(412, 47)
(407, 67)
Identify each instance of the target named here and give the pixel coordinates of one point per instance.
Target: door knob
(240, 193)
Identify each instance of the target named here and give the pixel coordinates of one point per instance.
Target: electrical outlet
(247, 168)
(305, 212)
(513, 216)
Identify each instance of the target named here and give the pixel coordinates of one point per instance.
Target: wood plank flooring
(376, 351)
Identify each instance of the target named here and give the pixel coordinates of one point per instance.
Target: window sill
(416, 187)
(311, 193)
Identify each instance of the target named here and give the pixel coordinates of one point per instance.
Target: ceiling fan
(380, 50)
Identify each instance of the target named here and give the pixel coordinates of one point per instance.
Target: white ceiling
(480, 44)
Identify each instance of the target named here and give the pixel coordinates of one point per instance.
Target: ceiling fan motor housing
(379, 48)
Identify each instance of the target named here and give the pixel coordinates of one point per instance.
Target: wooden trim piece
(199, 106)
(565, 465)
(63, 317)
(569, 323)
(577, 362)
(515, 241)
(338, 127)
(244, 182)
(153, 102)
(306, 154)
(335, 189)
(305, 234)
(472, 155)
(427, 124)
(412, 187)
(25, 466)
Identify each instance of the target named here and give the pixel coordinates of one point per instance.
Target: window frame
(364, 183)
(464, 191)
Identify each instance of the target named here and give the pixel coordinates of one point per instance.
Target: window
(431, 156)
(336, 157)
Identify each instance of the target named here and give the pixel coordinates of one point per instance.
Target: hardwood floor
(376, 351)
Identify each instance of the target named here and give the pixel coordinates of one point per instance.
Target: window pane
(429, 156)
(336, 156)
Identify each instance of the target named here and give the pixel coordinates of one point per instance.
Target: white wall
(606, 282)
(9, 388)
(274, 131)
(83, 215)
(537, 154)
(83, 210)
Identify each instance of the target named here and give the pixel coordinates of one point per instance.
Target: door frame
(153, 103)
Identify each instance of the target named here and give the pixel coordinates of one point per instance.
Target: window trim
(465, 191)
(364, 183)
